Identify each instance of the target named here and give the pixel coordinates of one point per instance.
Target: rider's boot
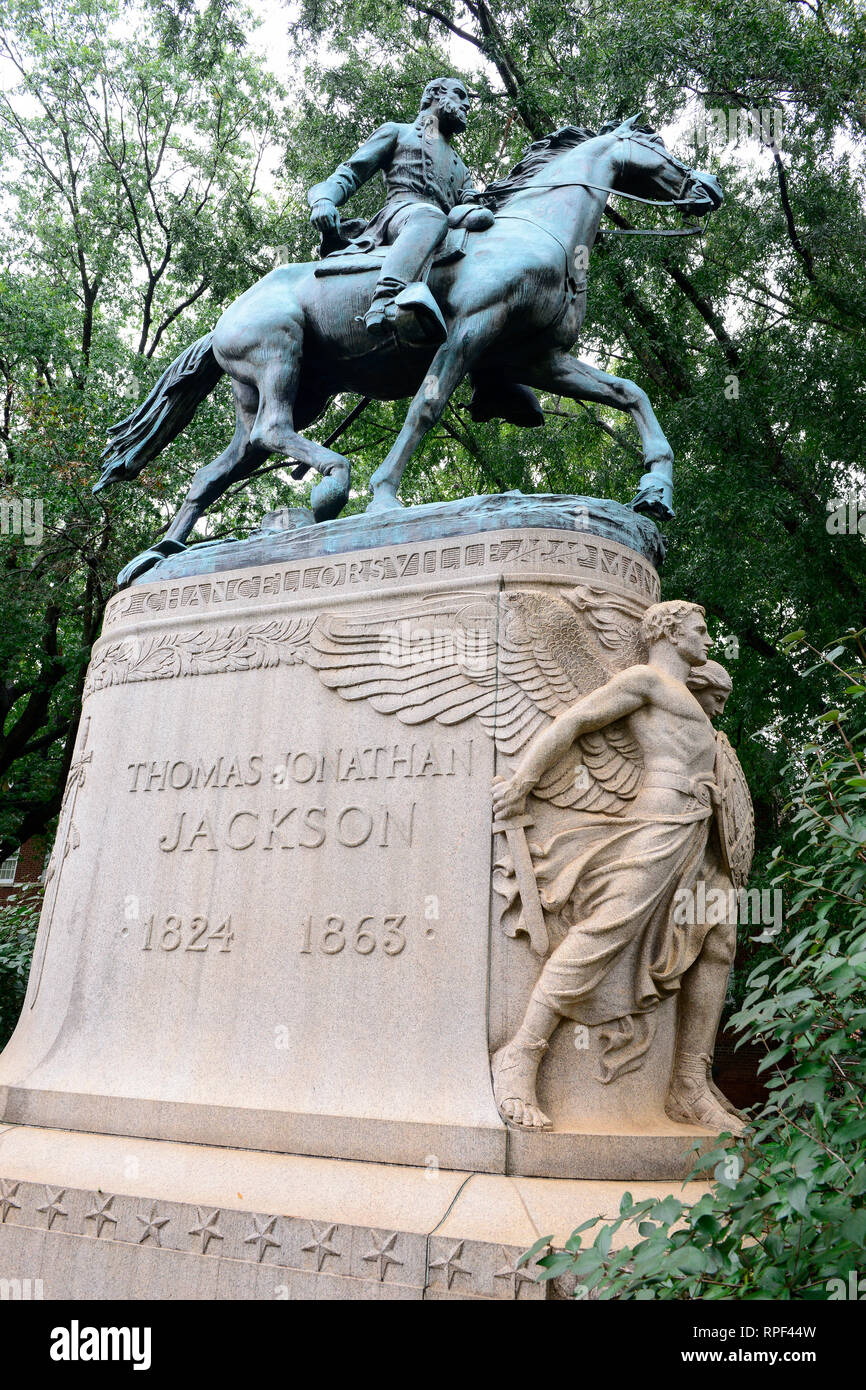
(418, 318)
(379, 318)
(409, 311)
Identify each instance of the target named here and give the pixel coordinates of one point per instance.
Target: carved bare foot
(723, 1099)
(692, 1100)
(514, 1072)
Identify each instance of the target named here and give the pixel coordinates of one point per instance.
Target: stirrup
(416, 305)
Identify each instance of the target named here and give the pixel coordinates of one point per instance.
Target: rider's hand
(324, 216)
(509, 797)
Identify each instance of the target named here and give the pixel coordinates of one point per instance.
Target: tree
(132, 142)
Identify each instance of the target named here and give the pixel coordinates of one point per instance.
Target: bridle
(618, 193)
(617, 231)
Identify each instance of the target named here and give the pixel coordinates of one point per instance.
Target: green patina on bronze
(444, 282)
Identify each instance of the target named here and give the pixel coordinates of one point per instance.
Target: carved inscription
(379, 762)
(290, 827)
(367, 936)
(195, 934)
(289, 819)
(166, 774)
(573, 554)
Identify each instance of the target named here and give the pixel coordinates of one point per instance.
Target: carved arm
(622, 695)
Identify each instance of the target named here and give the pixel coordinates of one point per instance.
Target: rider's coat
(419, 166)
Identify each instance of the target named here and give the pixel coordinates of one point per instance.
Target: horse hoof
(329, 497)
(140, 564)
(655, 497)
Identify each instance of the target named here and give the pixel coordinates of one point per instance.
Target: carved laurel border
(256, 647)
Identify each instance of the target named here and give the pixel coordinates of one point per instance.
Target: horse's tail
(138, 439)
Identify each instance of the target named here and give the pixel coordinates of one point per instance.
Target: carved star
(449, 1266)
(206, 1228)
(8, 1190)
(101, 1213)
(517, 1274)
(261, 1235)
(153, 1225)
(320, 1243)
(52, 1205)
(382, 1246)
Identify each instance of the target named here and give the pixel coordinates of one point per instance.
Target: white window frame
(8, 869)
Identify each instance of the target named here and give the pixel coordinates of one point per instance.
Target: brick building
(25, 866)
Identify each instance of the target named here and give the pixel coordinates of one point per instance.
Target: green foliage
(131, 144)
(786, 1214)
(153, 167)
(19, 919)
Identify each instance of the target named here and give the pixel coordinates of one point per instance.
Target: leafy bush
(786, 1215)
(19, 918)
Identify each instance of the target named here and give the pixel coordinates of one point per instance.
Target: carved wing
(602, 770)
(613, 622)
(735, 814)
(515, 666)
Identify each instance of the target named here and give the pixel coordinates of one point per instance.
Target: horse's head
(647, 168)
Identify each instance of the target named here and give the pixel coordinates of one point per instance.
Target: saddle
(339, 255)
(351, 262)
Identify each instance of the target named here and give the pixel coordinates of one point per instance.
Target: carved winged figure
(590, 693)
(626, 888)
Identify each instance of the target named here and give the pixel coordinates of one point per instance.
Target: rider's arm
(347, 178)
(469, 193)
(622, 695)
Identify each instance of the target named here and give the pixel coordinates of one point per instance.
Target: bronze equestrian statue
(508, 280)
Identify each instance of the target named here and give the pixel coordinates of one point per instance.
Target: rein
(617, 193)
(607, 231)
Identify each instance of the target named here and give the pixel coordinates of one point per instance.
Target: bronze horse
(514, 303)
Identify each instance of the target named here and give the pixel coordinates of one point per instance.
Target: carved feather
(515, 666)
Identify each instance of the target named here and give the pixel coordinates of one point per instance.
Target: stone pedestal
(271, 922)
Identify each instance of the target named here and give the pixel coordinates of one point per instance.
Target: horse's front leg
(564, 375)
(452, 361)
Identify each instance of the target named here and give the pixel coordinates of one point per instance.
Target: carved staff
(66, 840)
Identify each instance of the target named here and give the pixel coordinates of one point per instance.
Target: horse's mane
(539, 153)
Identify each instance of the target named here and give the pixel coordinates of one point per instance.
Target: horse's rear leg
(275, 433)
(238, 461)
(210, 482)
